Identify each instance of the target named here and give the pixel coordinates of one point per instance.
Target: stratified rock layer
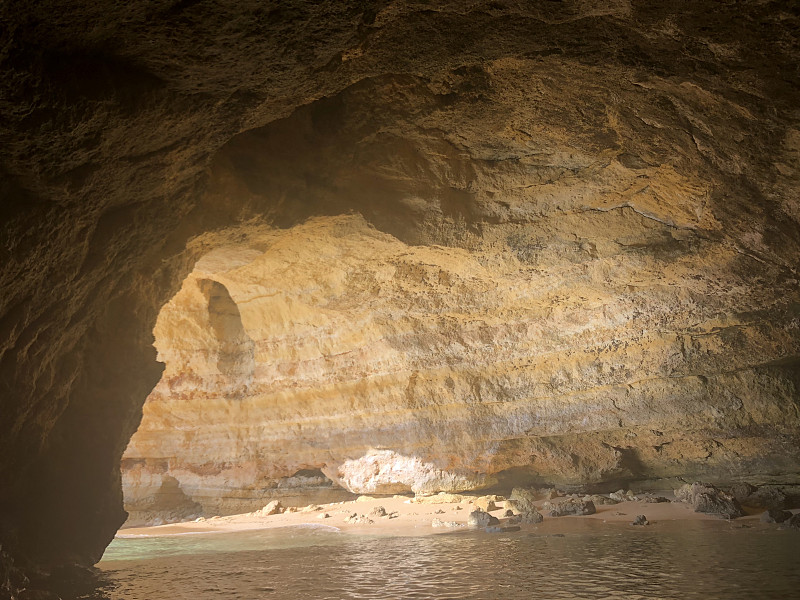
(589, 210)
(399, 368)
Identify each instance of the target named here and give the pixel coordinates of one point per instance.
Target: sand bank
(409, 516)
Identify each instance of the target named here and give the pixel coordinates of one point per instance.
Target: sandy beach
(416, 516)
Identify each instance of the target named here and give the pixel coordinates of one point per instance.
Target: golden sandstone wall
(392, 367)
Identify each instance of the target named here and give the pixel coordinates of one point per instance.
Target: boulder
(522, 500)
(481, 518)
(530, 517)
(485, 503)
(709, 500)
(619, 496)
(640, 520)
(741, 491)
(573, 507)
(599, 499)
(793, 522)
(273, 508)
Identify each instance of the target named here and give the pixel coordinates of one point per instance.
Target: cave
(486, 243)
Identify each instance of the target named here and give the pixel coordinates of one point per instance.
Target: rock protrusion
(707, 499)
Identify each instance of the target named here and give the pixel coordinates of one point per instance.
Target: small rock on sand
(439, 523)
(621, 495)
(356, 519)
(652, 499)
(640, 520)
(378, 511)
(273, 508)
(323, 516)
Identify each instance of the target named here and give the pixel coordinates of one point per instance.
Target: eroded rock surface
(588, 209)
(393, 367)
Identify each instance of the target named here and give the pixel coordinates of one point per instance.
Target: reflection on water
(668, 560)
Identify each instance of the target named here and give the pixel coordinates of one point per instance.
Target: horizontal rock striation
(575, 260)
(396, 368)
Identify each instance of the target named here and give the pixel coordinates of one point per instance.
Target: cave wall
(396, 368)
(138, 136)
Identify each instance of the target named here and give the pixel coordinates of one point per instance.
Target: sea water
(680, 560)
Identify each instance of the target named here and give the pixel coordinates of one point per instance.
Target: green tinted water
(680, 560)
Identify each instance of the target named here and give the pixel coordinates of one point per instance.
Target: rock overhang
(648, 143)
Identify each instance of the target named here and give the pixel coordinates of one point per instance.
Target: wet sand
(415, 517)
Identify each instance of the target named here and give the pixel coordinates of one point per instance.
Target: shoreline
(407, 516)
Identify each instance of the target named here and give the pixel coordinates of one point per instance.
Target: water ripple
(681, 562)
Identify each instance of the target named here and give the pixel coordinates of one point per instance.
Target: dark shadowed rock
(707, 499)
(573, 507)
(599, 499)
(741, 491)
(532, 516)
(767, 496)
(522, 499)
(775, 515)
(792, 523)
(640, 520)
(655, 499)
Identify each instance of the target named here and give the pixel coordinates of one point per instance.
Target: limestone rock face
(477, 241)
(394, 368)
